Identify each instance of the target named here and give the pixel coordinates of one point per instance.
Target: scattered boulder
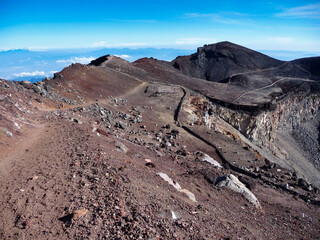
(176, 185)
(159, 154)
(232, 182)
(102, 112)
(120, 125)
(169, 180)
(121, 147)
(182, 152)
(79, 213)
(38, 100)
(76, 120)
(102, 132)
(189, 194)
(201, 156)
(304, 185)
(2, 97)
(174, 215)
(7, 132)
(35, 177)
(47, 88)
(150, 164)
(27, 84)
(166, 126)
(174, 133)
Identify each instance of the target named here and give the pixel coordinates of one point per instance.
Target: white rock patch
(206, 158)
(232, 182)
(177, 186)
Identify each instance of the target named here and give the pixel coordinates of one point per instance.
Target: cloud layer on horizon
(82, 60)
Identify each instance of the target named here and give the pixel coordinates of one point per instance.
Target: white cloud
(185, 41)
(311, 11)
(123, 56)
(117, 45)
(37, 49)
(62, 61)
(100, 44)
(30, 74)
(82, 60)
(222, 17)
(25, 60)
(33, 74)
(281, 39)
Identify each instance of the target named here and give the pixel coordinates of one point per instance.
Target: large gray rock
(232, 182)
(121, 147)
(7, 132)
(201, 156)
(2, 97)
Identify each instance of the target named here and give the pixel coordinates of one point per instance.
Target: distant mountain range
(24, 64)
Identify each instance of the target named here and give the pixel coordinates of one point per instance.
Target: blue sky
(262, 25)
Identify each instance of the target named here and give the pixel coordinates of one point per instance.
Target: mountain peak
(215, 62)
(99, 61)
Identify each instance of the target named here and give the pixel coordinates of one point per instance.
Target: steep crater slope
(282, 130)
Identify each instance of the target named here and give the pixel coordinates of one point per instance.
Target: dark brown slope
(215, 62)
(163, 72)
(85, 83)
(310, 65)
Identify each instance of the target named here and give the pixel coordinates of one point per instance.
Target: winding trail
(12, 160)
(268, 86)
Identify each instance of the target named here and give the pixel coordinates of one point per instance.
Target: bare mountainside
(153, 150)
(217, 61)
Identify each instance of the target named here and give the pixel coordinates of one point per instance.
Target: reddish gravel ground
(92, 157)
